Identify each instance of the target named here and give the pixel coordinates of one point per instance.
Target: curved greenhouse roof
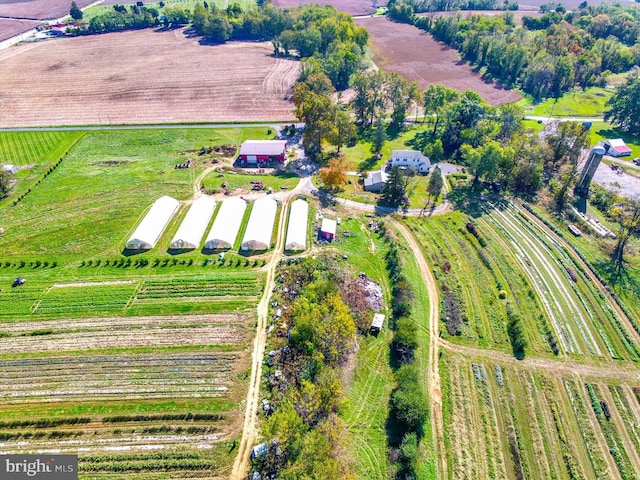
(260, 226)
(225, 227)
(194, 224)
(153, 224)
(297, 230)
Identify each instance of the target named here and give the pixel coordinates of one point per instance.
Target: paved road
(159, 126)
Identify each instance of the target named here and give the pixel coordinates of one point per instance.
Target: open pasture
(414, 54)
(143, 76)
(560, 306)
(352, 7)
(92, 201)
(509, 421)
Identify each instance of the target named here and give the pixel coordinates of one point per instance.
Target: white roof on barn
(263, 147)
(618, 144)
(328, 226)
(153, 224)
(374, 178)
(225, 227)
(194, 224)
(260, 227)
(297, 230)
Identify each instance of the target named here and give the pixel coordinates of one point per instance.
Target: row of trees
(305, 436)
(547, 58)
(409, 408)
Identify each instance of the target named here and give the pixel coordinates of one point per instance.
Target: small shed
(616, 147)
(328, 229)
(375, 181)
(376, 323)
(259, 152)
(12, 169)
(259, 450)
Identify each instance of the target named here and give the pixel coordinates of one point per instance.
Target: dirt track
(249, 431)
(435, 392)
(143, 76)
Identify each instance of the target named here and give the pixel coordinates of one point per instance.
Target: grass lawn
(94, 199)
(604, 130)
(91, 12)
(359, 157)
(416, 191)
(577, 103)
(242, 181)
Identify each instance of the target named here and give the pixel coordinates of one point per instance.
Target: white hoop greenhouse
(297, 229)
(260, 226)
(153, 224)
(225, 227)
(194, 224)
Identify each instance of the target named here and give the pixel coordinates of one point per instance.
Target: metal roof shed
(225, 227)
(153, 224)
(194, 224)
(297, 230)
(260, 226)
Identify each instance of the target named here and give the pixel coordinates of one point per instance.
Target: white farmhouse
(410, 159)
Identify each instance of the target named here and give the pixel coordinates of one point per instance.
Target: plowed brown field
(143, 77)
(415, 55)
(38, 9)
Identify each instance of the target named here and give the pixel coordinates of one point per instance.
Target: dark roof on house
(263, 147)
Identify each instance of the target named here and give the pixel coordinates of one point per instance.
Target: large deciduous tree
(316, 109)
(628, 217)
(435, 98)
(625, 106)
(333, 176)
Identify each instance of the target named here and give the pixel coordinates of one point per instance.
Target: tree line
(546, 56)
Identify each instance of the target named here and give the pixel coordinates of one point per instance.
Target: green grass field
(94, 11)
(239, 182)
(90, 204)
(576, 103)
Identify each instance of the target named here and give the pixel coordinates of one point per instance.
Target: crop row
(22, 148)
(612, 436)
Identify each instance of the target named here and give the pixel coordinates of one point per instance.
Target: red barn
(263, 151)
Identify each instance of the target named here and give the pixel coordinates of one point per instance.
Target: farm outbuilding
(328, 229)
(376, 323)
(297, 230)
(153, 224)
(260, 226)
(194, 224)
(225, 227)
(375, 181)
(616, 147)
(263, 151)
(12, 169)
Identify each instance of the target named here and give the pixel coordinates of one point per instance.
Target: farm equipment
(18, 281)
(257, 185)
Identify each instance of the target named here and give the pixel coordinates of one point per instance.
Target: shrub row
(46, 174)
(30, 263)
